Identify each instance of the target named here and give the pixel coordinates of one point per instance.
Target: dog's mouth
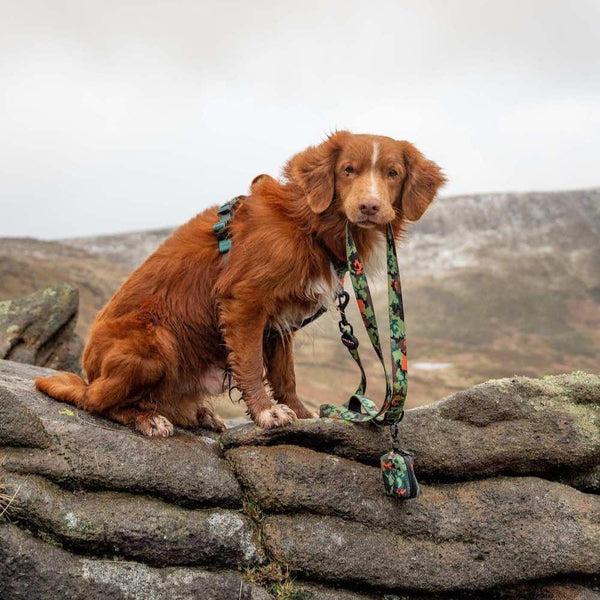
(370, 222)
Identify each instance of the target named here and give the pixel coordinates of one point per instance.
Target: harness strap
(339, 265)
(221, 227)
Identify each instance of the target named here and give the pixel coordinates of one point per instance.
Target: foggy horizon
(439, 198)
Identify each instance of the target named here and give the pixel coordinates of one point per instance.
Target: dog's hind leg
(279, 359)
(121, 393)
(124, 375)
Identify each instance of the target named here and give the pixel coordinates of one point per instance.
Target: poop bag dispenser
(398, 470)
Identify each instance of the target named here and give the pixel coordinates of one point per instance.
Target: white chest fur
(321, 292)
(318, 292)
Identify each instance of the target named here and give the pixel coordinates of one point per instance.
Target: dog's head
(371, 179)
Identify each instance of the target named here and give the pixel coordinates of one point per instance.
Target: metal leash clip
(348, 338)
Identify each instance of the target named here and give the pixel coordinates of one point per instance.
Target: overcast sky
(123, 115)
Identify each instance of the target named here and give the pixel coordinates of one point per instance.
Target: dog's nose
(369, 206)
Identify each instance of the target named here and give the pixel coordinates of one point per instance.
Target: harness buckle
(220, 228)
(225, 208)
(224, 245)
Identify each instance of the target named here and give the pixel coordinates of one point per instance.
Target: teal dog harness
(397, 465)
(221, 227)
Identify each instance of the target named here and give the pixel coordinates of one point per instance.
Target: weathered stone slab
(469, 536)
(39, 329)
(364, 443)
(92, 452)
(292, 479)
(548, 426)
(19, 426)
(31, 569)
(135, 527)
(535, 590)
(321, 592)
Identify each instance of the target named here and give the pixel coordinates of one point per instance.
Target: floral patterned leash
(398, 465)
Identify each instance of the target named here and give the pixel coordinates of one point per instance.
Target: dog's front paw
(275, 417)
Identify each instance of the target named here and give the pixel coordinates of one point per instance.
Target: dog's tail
(66, 387)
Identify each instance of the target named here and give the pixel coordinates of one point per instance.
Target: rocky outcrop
(39, 329)
(75, 449)
(543, 531)
(548, 427)
(135, 527)
(509, 508)
(478, 534)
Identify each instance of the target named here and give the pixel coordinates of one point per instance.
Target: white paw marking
(160, 426)
(275, 417)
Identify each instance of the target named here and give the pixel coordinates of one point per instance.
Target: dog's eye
(392, 173)
(349, 170)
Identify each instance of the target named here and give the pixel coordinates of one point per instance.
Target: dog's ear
(314, 171)
(423, 179)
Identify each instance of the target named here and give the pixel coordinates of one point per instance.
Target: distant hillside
(27, 265)
(125, 249)
(495, 285)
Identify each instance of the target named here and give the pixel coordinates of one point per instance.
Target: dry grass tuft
(276, 578)
(6, 498)
(289, 590)
(266, 574)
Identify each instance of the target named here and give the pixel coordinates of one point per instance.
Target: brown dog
(161, 346)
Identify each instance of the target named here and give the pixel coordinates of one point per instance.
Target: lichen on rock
(39, 329)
